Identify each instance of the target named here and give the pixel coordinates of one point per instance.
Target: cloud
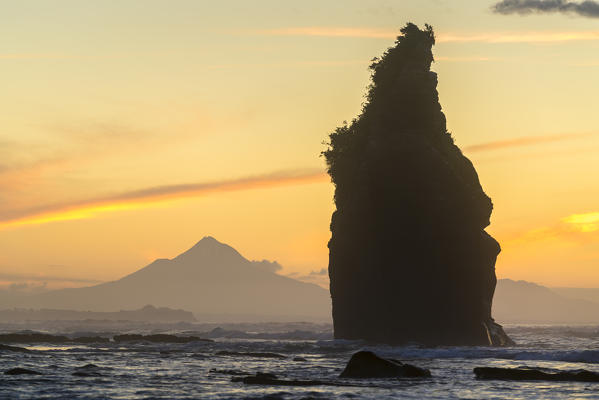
(319, 277)
(524, 141)
(143, 197)
(270, 266)
(587, 8)
(323, 271)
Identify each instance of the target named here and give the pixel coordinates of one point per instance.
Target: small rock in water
(299, 359)
(532, 374)
(21, 371)
(366, 364)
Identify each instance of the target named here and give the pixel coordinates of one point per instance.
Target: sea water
(195, 370)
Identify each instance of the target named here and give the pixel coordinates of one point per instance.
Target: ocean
(204, 370)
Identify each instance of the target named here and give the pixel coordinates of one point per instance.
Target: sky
(130, 129)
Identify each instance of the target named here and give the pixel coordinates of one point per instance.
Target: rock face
(366, 364)
(409, 257)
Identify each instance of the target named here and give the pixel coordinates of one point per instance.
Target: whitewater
(204, 370)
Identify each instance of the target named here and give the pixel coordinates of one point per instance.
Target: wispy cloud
(442, 37)
(576, 228)
(587, 8)
(520, 37)
(322, 63)
(463, 59)
(524, 141)
(43, 278)
(324, 31)
(143, 197)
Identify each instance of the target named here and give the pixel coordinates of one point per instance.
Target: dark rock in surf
(33, 337)
(158, 338)
(532, 374)
(21, 371)
(409, 259)
(90, 339)
(299, 359)
(15, 349)
(366, 364)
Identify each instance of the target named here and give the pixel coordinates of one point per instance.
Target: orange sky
(128, 134)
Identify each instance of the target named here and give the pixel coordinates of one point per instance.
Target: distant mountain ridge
(522, 302)
(217, 284)
(211, 279)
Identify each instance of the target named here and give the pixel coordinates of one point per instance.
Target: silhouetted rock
(4, 347)
(366, 364)
(299, 359)
(33, 338)
(90, 339)
(243, 354)
(409, 260)
(532, 374)
(158, 338)
(21, 371)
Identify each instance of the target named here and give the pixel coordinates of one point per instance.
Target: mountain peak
(209, 246)
(207, 240)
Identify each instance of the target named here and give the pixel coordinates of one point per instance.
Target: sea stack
(409, 259)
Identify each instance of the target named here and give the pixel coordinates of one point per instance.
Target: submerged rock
(21, 371)
(234, 372)
(366, 364)
(409, 259)
(532, 374)
(244, 354)
(271, 380)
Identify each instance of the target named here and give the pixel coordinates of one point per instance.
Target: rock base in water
(366, 364)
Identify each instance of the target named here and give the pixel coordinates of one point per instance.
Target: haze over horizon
(150, 129)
